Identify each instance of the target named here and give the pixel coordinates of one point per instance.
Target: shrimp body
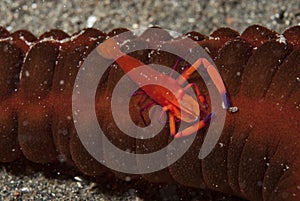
(187, 110)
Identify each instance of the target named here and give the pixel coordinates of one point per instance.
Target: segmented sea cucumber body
(257, 156)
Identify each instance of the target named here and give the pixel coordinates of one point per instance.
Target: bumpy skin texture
(257, 156)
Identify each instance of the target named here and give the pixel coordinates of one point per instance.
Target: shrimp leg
(214, 75)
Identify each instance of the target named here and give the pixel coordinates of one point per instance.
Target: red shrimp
(188, 111)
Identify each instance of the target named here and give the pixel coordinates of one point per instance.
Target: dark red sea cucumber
(257, 157)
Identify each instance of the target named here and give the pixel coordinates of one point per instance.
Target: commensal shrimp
(189, 110)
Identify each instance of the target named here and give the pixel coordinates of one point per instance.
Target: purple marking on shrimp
(175, 66)
(208, 118)
(226, 101)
